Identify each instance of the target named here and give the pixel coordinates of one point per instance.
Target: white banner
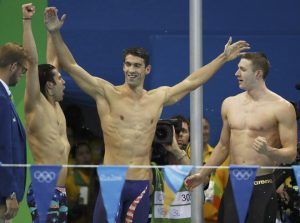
(181, 198)
(175, 212)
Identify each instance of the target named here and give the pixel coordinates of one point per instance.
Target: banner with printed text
(173, 181)
(111, 180)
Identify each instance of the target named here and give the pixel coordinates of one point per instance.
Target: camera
(164, 130)
(164, 135)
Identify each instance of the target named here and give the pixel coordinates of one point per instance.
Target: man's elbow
(292, 158)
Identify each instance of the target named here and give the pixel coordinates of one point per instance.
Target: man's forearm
(63, 54)
(217, 157)
(283, 155)
(28, 42)
(202, 75)
(181, 156)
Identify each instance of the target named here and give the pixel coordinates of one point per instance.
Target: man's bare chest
(256, 118)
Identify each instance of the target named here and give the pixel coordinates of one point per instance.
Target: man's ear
(259, 74)
(49, 84)
(13, 67)
(148, 69)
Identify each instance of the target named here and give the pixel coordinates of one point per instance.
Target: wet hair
(138, 52)
(11, 53)
(259, 61)
(45, 74)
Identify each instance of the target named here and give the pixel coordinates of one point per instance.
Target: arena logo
(44, 176)
(267, 181)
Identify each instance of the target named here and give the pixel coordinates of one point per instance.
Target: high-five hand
(51, 19)
(232, 51)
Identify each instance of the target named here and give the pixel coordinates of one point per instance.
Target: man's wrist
(223, 57)
(26, 18)
(180, 155)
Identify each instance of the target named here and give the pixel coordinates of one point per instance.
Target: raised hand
(232, 51)
(28, 10)
(51, 19)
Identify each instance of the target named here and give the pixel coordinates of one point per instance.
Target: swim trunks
(262, 205)
(58, 210)
(133, 206)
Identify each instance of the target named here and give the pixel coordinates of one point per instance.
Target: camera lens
(161, 133)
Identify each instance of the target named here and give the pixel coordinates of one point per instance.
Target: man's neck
(133, 91)
(257, 94)
(51, 100)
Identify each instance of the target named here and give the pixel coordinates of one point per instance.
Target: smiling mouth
(131, 76)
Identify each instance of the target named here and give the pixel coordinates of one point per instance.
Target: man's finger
(63, 18)
(229, 41)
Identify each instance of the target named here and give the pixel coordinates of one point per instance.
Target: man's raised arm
(202, 75)
(89, 84)
(32, 92)
(51, 56)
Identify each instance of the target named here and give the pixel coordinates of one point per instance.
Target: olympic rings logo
(242, 174)
(44, 176)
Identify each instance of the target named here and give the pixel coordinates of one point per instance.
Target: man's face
(83, 155)
(206, 131)
(17, 69)
(246, 75)
(184, 135)
(135, 70)
(59, 85)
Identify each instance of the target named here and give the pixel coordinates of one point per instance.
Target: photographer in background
(180, 211)
(164, 136)
(183, 136)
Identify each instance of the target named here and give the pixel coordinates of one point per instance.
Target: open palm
(232, 51)
(51, 20)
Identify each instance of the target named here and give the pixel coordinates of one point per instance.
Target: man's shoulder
(278, 101)
(280, 106)
(233, 99)
(158, 90)
(40, 105)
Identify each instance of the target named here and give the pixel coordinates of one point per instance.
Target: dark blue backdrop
(97, 31)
